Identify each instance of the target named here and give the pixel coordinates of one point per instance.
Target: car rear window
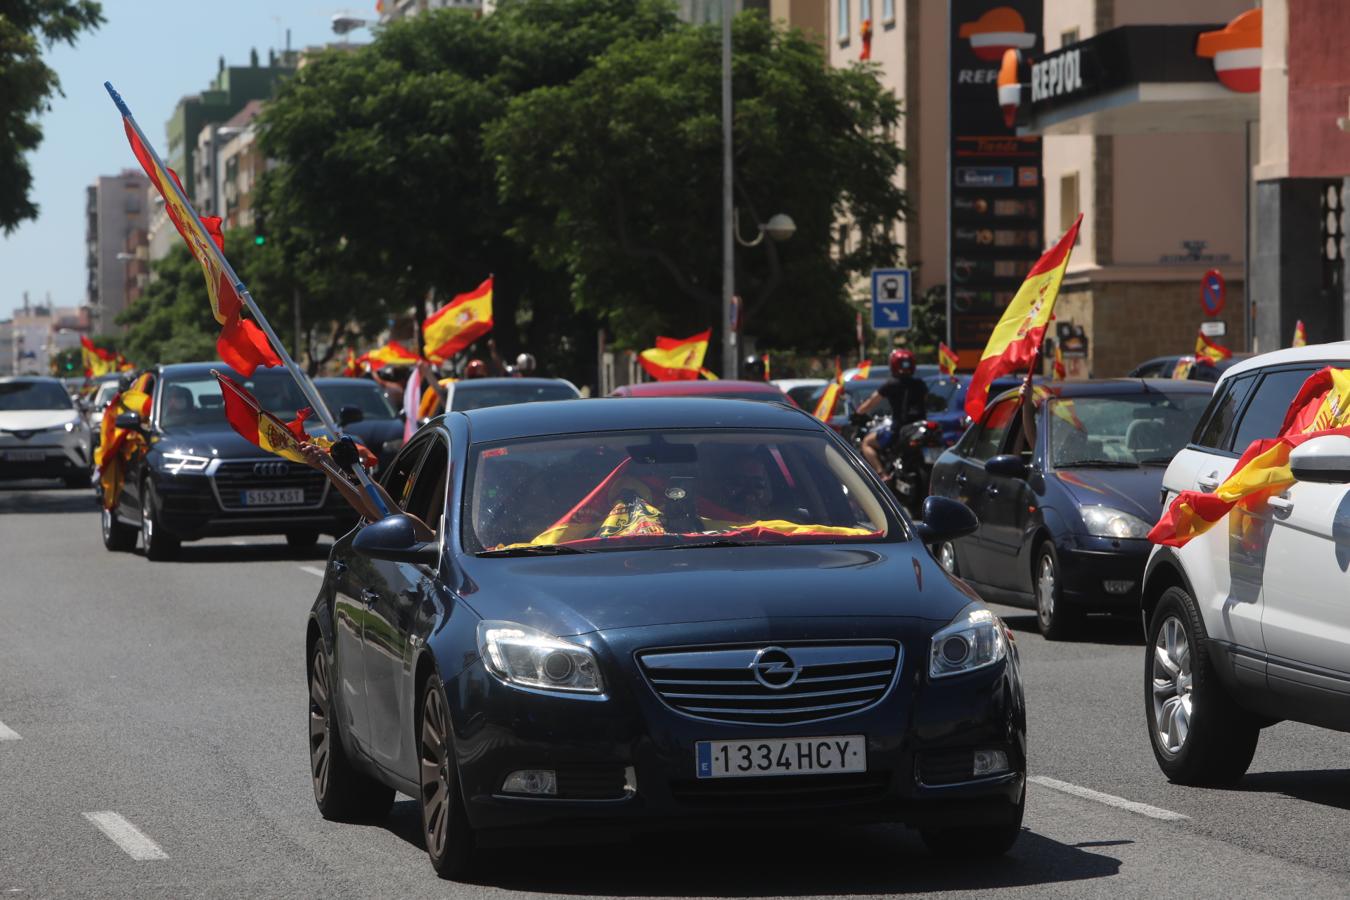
(1216, 425)
(1269, 403)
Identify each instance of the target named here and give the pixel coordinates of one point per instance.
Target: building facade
(115, 209)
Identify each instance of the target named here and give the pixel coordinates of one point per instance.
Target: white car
(42, 434)
(801, 390)
(1248, 624)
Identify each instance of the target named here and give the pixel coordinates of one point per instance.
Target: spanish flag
(392, 353)
(117, 445)
(124, 364)
(1017, 337)
(824, 410)
(97, 361)
(1207, 352)
(864, 371)
(350, 367)
(673, 359)
(1060, 371)
(459, 323)
(947, 359)
(1322, 406)
(1300, 336)
(242, 344)
(258, 426)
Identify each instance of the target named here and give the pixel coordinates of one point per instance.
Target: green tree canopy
(27, 85)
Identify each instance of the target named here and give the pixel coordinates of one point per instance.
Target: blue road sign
(890, 299)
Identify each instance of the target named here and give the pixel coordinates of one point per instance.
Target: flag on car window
(674, 359)
(117, 445)
(947, 359)
(1322, 406)
(1300, 336)
(258, 426)
(1060, 371)
(459, 323)
(824, 410)
(1208, 352)
(864, 371)
(1017, 338)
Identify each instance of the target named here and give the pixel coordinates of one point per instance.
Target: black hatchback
(197, 478)
(1064, 521)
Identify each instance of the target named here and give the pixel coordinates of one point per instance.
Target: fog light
(1118, 587)
(532, 781)
(990, 762)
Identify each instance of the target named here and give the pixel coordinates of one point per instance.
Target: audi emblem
(271, 469)
(774, 668)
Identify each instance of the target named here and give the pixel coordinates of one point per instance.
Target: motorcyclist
(908, 397)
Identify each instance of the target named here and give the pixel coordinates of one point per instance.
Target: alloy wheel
(1045, 590)
(147, 524)
(320, 731)
(1172, 685)
(436, 777)
(947, 556)
(107, 524)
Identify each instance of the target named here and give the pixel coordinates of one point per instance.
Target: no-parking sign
(1213, 292)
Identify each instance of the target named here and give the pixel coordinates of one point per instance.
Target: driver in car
(740, 493)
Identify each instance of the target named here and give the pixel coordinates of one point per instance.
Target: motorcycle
(908, 459)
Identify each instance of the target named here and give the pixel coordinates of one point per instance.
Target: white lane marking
(311, 570)
(1143, 809)
(7, 733)
(125, 835)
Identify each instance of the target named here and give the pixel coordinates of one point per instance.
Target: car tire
(445, 825)
(342, 793)
(302, 540)
(76, 482)
(1199, 735)
(1056, 621)
(946, 557)
(975, 841)
(118, 536)
(158, 544)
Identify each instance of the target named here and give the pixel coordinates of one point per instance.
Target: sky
(154, 52)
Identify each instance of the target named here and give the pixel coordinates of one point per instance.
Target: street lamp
(780, 227)
(344, 23)
(728, 210)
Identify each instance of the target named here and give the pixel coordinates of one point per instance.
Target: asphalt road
(165, 703)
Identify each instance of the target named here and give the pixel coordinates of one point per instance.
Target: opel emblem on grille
(774, 668)
(271, 468)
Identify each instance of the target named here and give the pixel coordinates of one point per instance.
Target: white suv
(1249, 623)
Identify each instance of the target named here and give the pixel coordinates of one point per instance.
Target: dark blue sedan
(704, 613)
(1063, 522)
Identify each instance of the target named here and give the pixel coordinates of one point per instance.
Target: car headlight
(175, 463)
(1103, 521)
(973, 640)
(529, 658)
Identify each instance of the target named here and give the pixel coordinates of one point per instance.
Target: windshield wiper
(1098, 464)
(533, 550)
(716, 542)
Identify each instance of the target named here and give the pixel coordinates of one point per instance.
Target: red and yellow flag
(392, 353)
(116, 445)
(350, 367)
(864, 371)
(1182, 370)
(947, 359)
(97, 361)
(242, 344)
(676, 360)
(1060, 371)
(765, 359)
(824, 410)
(1208, 352)
(258, 426)
(1322, 406)
(124, 364)
(459, 323)
(1017, 338)
(1300, 335)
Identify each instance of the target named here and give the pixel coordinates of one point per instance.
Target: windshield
(26, 395)
(196, 399)
(106, 391)
(651, 489)
(476, 396)
(1125, 430)
(366, 396)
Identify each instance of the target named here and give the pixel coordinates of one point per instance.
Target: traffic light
(259, 229)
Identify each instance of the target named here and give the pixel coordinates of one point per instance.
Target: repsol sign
(1057, 75)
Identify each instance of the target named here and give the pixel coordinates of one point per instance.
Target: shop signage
(1057, 75)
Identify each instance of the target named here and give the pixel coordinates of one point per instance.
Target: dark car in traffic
(362, 409)
(723, 389)
(1064, 521)
(947, 400)
(479, 393)
(197, 478)
(1193, 369)
(656, 613)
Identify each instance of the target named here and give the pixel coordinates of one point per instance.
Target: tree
(27, 85)
(618, 173)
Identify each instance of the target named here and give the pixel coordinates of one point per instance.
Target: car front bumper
(1102, 574)
(190, 508)
(627, 762)
(55, 454)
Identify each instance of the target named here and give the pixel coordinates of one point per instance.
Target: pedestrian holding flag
(1016, 340)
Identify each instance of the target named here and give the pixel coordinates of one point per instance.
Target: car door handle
(1208, 482)
(1280, 504)
(369, 597)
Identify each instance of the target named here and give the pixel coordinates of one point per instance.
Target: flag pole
(301, 379)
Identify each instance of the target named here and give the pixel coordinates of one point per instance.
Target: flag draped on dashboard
(1017, 337)
(459, 323)
(674, 359)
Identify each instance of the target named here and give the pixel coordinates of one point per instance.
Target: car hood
(36, 419)
(624, 589)
(1135, 491)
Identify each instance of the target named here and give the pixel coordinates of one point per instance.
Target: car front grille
(787, 790)
(787, 684)
(232, 478)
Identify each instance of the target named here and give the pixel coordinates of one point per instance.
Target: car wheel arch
(1164, 571)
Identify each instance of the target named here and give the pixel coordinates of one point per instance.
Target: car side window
(398, 479)
(992, 430)
(426, 498)
(1215, 429)
(1270, 401)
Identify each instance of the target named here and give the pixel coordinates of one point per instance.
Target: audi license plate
(274, 497)
(24, 456)
(782, 756)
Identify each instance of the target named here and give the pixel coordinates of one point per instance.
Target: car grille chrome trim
(772, 684)
(239, 475)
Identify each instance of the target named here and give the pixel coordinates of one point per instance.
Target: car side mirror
(394, 538)
(129, 420)
(1323, 459)
(1006, 465)
(350, 415)
(945, 519)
